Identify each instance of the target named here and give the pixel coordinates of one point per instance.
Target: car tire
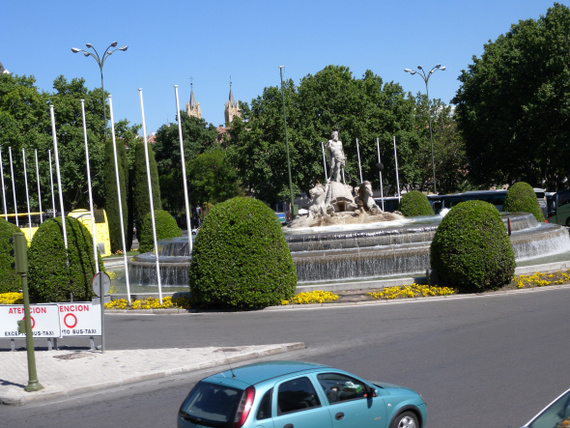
(405, 420)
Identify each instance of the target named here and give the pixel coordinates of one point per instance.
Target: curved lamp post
(100, 62)
(426, 77)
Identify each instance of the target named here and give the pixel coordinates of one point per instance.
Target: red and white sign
(80, 319)
(44, 318)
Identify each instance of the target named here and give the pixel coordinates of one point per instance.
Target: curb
(15, 395)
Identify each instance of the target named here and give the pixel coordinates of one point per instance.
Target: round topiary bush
(415, 204)
(521, 198)
(240, 258)
(471, 250)
(9, 280)
(54, 274)
(166, 227)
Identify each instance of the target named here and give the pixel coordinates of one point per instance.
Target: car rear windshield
(211, 405)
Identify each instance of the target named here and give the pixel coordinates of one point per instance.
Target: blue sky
(172, 41)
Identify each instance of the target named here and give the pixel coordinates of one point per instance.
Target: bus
(559, 207)
(84, 216)
(495, 197)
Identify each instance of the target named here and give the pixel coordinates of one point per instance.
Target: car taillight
(244, 406)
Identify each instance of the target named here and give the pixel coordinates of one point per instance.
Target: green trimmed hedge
(240, 258)
(521, 198)
(166, 227)
(415, 204)
(471, 250)
(9, 280)
(51, 278)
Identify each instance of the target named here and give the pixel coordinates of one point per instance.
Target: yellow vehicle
(83, 215)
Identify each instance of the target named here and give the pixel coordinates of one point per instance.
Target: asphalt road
(485, 361)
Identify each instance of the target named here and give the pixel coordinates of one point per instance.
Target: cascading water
(348, 252)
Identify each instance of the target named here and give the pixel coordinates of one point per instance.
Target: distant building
(193, 108)
(3, 70)
(231, 108)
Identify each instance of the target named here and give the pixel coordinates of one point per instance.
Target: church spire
(231, 107)
(193, 108)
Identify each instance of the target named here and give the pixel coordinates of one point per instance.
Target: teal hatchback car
(292, 394)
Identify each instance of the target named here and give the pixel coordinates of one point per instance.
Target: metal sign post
(101, 285)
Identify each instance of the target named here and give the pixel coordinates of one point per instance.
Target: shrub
(414, 204)
(51, 277)
(240, 258)
(471, 250)
(521, 198)
(9, 279)
(166, 227)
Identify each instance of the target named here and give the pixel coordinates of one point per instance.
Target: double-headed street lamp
(101, 61)
(426, 77)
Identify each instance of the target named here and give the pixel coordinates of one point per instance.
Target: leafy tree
(448, 147)
(414, 204)
(471, 250)
(241, 259)
(141, 198)
(111, 195)
(198, 136)
(9, 279)
(165, 226)
(522, 198)
(332, 99)
(211, 178)
(57, 274)
(513, 105)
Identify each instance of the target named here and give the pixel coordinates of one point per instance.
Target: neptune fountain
(345, 236)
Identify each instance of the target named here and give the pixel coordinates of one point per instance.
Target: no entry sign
(52, 320)
(80, 319)
(44, 318)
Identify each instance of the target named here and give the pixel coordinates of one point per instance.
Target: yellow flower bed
(11, 299)
(409, 291)
(541, 279)
(317, 296)
(150, 303)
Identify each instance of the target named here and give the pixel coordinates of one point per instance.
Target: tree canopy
(363, 108)
(513, 106)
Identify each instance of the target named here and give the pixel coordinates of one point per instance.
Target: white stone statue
(338, 160)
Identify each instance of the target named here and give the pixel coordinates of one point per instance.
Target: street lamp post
(100, 62)
(293, 213)
(426, 77)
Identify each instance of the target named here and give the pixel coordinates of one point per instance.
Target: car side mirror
(370, 392)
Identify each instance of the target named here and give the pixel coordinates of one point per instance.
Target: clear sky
(210, 41)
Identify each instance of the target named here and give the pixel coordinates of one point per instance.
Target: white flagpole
(125, 261)
(183, 160)
(3, 188)
(51, 183)
(58, 175)
(27, 192)
(396, 160)
(324, 161)
(39, 189)
(95, 254)
(380, 172)
(359, 164)
(149, 181)
(13, 187)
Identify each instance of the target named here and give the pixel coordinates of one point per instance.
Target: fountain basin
(366, 251)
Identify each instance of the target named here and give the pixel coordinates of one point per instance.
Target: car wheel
(405, 420)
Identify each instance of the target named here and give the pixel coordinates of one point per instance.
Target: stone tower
(231, 108)
(193, 108)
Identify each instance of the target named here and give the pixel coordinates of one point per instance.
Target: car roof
(255, 373)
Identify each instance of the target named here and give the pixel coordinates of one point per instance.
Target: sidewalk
(66, 373)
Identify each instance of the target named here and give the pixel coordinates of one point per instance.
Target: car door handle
(288, 426)
(339, 416)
